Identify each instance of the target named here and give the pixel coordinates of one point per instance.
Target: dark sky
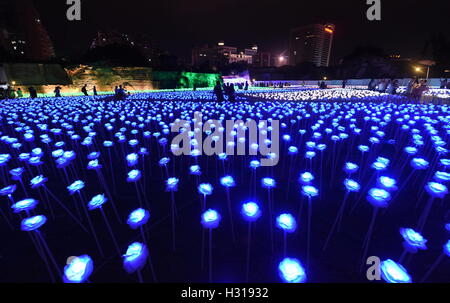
(177, 26)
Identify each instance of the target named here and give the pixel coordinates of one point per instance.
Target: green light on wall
(180, 80)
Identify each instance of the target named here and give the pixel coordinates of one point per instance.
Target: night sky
(177, 26)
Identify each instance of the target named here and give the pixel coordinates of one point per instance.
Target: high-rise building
(311, 43)
(219, 55)
(22, 33)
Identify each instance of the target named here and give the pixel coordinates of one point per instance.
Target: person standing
(95, 90)
(232, 91)
(12, 93)
(33, 92)
(84, 90)
(218, 91)
(57, 92)
(7, 92)
(19, 93)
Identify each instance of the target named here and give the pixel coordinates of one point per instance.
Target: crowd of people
(227, 89)
(273, 84)
(389, 86)
(10, 93)
(414, 89)
(120, 93)
(445, 84)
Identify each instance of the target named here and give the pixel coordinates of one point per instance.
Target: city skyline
(178, 27)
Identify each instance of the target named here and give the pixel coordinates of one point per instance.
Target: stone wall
(45, 77)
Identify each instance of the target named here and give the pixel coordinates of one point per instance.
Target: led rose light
(135, 258)
(25, 205)
(291, 271)
(436, 191)
(379, 198)
(210, 220)
(78, 270)
(251, 212)
(392, 272)
(352, 187)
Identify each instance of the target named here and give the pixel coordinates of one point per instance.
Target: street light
(428, 64)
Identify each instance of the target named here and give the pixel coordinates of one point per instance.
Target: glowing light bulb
(447, 248)
(134, 176)
(413, 238)
(363, 148)
(393, 272)
(379, 197)
(75, 187)
(138, 217)
(441, 176)
(172, 184)
(436, 190)
(227, 181)
(387, 183)
(211, 219)
(419, 163)
(291, 271)
(255, 164)
(7, 191)
(286, 222)
(292, 150)
(268, 183)
(24, 205)
(132, 159)
(310, 191)
(164, 161)
(306, 178)
(195, 170)
(38, 181)
(205, 189)
(33, 223)
(350, 168)
(251, 211)
(97, 202)
(78, 270)
(410, 150)
(352, 185)
(135, 258)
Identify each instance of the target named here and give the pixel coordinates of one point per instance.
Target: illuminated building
(11, 41)
(22, 33)
(221, 54)
(311, 43)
